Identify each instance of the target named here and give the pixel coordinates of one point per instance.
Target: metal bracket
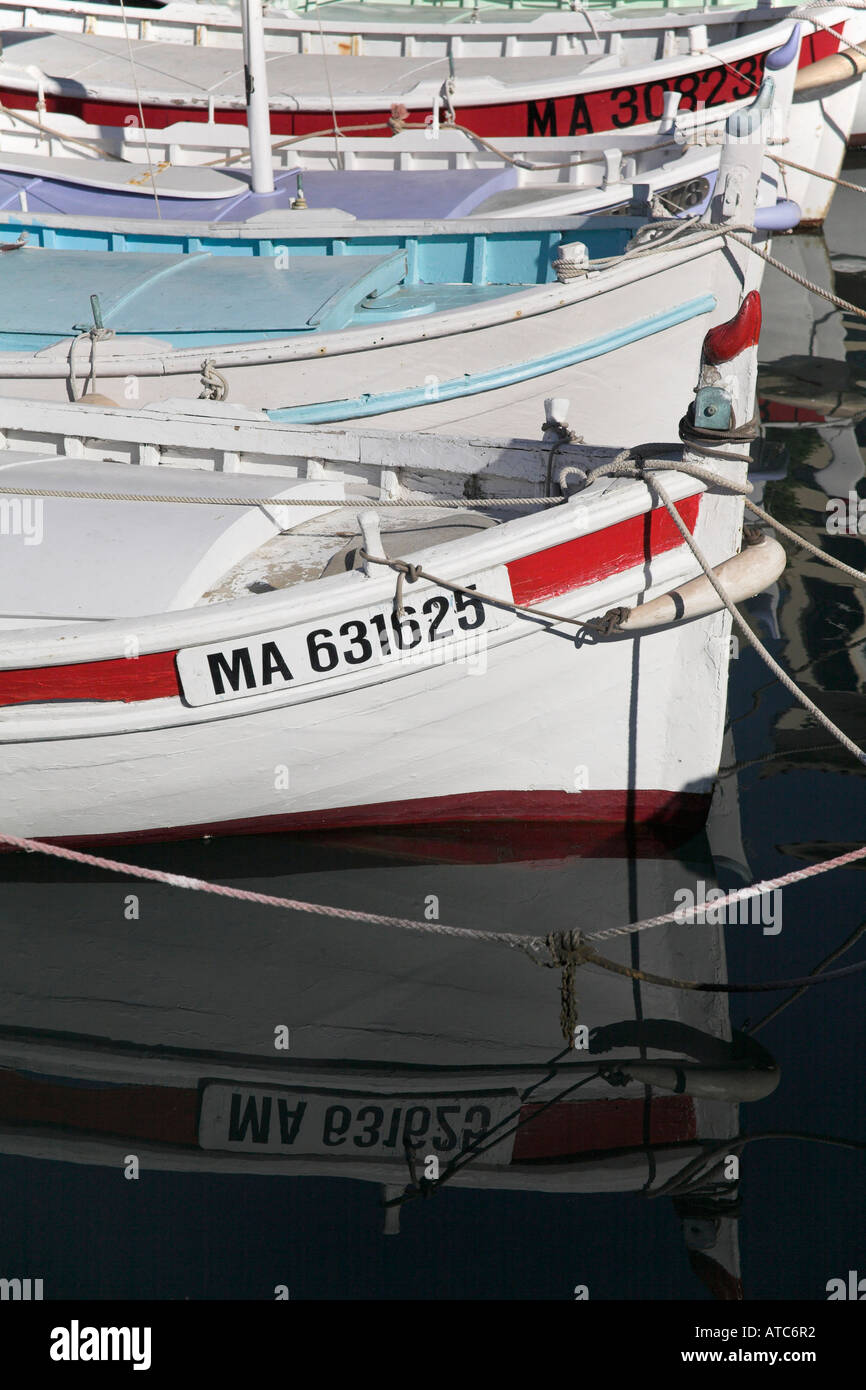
(713, 409)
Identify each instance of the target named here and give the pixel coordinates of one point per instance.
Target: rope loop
(214, 385)
(96, 335)
(405, 571)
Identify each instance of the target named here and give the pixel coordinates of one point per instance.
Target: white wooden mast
(258, 111)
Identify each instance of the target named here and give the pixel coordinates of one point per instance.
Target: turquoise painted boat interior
(184, 292)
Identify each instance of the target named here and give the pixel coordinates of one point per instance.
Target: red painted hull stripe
(576, 113)
(819, 45)
(149, 677)
(618, 108)
(676, 813)
(547, 573)
(602, 1124)
(535, 578)
(168, 1114)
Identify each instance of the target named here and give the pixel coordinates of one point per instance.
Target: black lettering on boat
(233, 668)
(273, 664)
(289, 1132)
(449, 1141)
(259, 1124)
(649, 91)
(626, 112)
(538, 124)
(581, 121)
(715, 96)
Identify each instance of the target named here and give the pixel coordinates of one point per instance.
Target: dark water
(208, 976)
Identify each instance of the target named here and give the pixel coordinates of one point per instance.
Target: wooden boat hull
(459, 371)
(516, 722)
(549, 100)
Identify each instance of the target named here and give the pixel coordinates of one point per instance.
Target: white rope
(337, 132)
(755, 642)
(801, 279)
(859, 575)
(755, 890)
(816, 174)
(509, 939)
(807, 12)
(140, 108)
(96, 335)
(458, 504)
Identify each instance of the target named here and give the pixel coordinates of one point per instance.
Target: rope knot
(405, 570)
(398, 118)
(567, 951)
(213, 383)
(609, 622)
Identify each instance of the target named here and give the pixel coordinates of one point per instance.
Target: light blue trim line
(354, 408)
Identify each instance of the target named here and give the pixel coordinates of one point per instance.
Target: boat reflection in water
(812, 399)
(159, 1027)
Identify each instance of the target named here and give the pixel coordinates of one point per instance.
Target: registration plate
(259, 1119)
(436, 623)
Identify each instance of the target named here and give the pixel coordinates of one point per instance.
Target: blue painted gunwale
(473, 384)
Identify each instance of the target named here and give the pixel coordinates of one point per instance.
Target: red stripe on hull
(583, 1126)
(587, 559)
(149, 677)
(168, 1115)
(819, 45)
(576, 113)
(534, 578)
(679, 812)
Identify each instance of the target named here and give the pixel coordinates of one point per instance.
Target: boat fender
(724, 1083)
(757, 566)
(836, 70)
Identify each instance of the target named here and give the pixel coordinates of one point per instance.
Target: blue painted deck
(200, 299)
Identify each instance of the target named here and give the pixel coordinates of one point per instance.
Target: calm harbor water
(175, 970)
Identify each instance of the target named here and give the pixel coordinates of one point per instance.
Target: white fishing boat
(406, 176)
(251, 667)
(146, 1041)
(88, 87)
(456, 326)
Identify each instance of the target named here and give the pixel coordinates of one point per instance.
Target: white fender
(733, 1083)
(833, 71)
(742, 576)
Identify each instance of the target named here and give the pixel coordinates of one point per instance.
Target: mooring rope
(134, 72)
(807, 12)
(810, 285)
(459, 504)
(536, 946)
(816, 174)
(754, 641)
(799, 982)
(696, 1172)
(799, 991)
